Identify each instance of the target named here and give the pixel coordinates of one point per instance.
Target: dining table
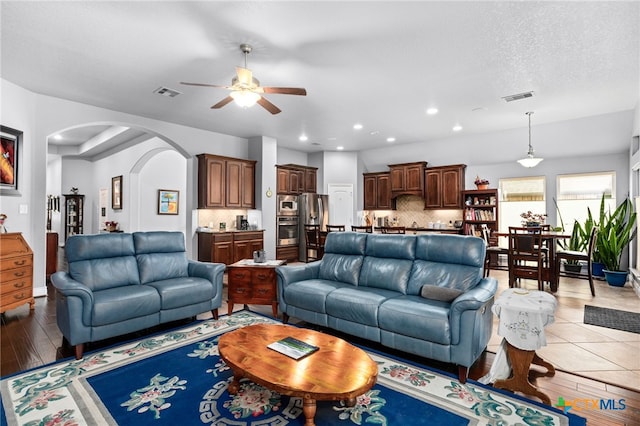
(552, 238)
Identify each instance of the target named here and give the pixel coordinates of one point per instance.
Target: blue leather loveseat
(422, 294)
(120, 283)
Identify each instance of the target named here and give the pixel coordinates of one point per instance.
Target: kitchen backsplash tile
(410, 208)
(213, 217)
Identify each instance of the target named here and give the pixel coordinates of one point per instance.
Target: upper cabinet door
(433, 189)
(211, 182)
(234, 184)
(452, 186)
(248, 192)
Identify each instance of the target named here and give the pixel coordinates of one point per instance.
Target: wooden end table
(252, 283)
(337, 371)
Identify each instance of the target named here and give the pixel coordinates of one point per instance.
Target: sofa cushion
(311, 294)
(102, 261)
(444, 294)
(343, 253)
(179, 292)
(114, 305)
(160, 255)
(357, 304)
(452, 261)
(416, 317)
(391, 246)
(388, 274)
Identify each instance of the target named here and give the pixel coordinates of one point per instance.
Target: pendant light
(530, 160)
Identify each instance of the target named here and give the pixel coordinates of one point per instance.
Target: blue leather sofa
(422, 294)
(120, 283)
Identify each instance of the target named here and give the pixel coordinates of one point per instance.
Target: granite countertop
(206, 230)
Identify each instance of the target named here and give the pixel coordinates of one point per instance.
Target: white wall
(290, 156)
(39, 117)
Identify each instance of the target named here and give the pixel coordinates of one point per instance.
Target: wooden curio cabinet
(73, 215)
(480, 210)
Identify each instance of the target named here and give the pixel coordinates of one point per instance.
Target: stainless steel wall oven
(287, 230)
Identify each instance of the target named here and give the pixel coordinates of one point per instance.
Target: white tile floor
(596, 352)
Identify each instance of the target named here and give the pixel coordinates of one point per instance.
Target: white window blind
(522, 189)
(586, 186)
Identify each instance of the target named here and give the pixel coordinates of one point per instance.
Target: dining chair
(315, 248)
(393, 229)
(492, 253)
(571, 255)
(335, 228)
(367, 229)
(526, 255)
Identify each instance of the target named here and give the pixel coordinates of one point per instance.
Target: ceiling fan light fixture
(245, 98)
(530, 160)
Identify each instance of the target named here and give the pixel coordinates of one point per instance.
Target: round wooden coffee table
(337, 371)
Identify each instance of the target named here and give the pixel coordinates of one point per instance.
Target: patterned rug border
(120, 354)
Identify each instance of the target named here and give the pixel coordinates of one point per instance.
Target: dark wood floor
(31, 339)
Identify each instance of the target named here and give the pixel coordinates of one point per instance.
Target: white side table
(522, 314)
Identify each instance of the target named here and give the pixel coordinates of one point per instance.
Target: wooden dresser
(16, 272)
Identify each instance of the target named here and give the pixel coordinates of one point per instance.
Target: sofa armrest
(295, 273)
(292, 274)
(209, 271)
(479, 298)
(69, 287)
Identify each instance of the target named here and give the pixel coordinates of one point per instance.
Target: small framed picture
(116, 192)
(168, 201)
(10, 145)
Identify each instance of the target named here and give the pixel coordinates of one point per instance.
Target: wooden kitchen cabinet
(16, 272)
(407, 178)
(245, 243)
(225, 182)
(296, 179)
(377, 191)
(443, 186)
(228, 247)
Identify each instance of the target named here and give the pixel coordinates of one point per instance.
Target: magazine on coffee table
(293, 348)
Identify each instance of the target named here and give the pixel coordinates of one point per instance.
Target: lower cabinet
(228, 247)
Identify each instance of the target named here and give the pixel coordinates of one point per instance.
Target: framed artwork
(168, 201)
(116, 192)
(10, 145)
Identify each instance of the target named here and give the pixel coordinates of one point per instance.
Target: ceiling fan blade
(245, 76)
(268, 106)
(284, 90)
(222, 102)
(205, 85)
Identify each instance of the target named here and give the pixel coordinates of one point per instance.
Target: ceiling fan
(246, 89)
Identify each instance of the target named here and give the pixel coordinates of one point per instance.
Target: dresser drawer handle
(263, 276)
(20, 262)
(19, 297)
(240, 290)
(19, 274)
(240, 274)
(262, 291)
(20, 284)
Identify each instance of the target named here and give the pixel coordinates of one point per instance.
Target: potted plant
(481, 183)
(617, 229)
(532, 219)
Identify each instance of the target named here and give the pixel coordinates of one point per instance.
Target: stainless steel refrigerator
(312, 209)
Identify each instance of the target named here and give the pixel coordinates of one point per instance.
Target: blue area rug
(178, 377)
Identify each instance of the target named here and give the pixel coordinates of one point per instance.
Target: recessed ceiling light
(357, 126)
(340, 148)
(375, 132)
(391, 139)
(457, 128)
(57, 137)
(303, 138)
(432, 111)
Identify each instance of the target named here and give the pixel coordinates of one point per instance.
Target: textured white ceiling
(378, 63)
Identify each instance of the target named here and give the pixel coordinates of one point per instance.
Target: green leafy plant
(617, 229)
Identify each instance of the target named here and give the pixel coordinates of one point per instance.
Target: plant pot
(597, 269)
(483, 186)
(616, 278)
(573, 268)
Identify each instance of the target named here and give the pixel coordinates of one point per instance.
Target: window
(579, 192)
(519, 195)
